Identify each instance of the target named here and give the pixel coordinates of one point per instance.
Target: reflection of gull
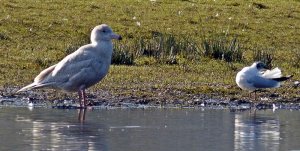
(81, 69)
(254, 77)
(274, 107)
(81, 115)
(256, 133)
(53, 134)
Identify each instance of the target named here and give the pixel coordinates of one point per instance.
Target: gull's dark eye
(103, 31)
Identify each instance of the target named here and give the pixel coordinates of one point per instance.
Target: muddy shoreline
(104, 99)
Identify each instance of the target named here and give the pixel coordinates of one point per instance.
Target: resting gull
(257, 76)
(82, 68)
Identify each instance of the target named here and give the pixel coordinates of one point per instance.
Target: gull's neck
(104, 48)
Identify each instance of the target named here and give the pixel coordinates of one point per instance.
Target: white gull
(82, 68)
(257, 76)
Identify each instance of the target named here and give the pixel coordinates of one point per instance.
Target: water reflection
(81, 115)
(50, 134)
(61, 136)
(147, 129)
(256, 132)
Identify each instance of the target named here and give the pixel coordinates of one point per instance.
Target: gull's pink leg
(84, 99)
(80, 98)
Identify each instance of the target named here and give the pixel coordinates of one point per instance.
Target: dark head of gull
(260, 66)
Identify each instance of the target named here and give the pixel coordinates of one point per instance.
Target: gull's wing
(77, 69)
(84, 73)
(44, 74)
(261, 82)
(38, 80)
(274, 73)
(282, 78)
(71, 64)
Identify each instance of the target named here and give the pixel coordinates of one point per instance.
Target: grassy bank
(37, 34)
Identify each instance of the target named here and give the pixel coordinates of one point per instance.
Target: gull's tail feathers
(283, 78)
(38, 80)
(32, 86)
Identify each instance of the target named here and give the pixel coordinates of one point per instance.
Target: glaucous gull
(82, 68)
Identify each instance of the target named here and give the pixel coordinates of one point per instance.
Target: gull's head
(260, 66)
(103, 33)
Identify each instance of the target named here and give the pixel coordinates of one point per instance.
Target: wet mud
(103, 99)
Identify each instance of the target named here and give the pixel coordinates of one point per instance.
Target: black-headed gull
(82, 68)
(257, 76)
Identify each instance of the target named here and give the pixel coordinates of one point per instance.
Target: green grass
(36, 34)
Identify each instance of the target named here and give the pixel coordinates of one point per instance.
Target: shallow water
(148, 129)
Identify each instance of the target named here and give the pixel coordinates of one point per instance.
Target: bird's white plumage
(274, 73)
(250, 78)
(82, 68)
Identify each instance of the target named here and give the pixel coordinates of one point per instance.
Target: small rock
(274, 95)
(264, 99)
(202, 104)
